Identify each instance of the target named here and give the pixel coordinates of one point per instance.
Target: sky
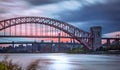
(80, 13)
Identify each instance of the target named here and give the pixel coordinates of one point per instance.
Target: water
(62, 61)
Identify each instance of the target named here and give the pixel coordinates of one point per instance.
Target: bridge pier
(108, 43)
(13, 44)
(117, 41)
(96, 33)
(73, 43)
(57, 47)
(90, 42)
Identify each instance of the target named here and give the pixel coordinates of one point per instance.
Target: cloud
(94, 12)
(101, 14)
(43, 2)
(107, 26)
(81, 13)
(84, 2)
(112, 35)
(23, 8)
(12, 8)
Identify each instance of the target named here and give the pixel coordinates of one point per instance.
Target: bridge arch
(74, 32)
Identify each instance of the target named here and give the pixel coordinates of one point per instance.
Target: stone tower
(96, 33)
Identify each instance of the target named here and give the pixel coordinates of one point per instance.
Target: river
(62, 61)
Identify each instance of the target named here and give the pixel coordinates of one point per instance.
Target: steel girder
(76, 33)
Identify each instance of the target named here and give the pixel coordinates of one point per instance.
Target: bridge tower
(96, 33)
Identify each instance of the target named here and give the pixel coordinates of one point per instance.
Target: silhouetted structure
(50, 28)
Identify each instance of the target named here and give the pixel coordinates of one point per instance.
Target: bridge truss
(42, 27)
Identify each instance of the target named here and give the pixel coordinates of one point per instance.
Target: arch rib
(71, 30)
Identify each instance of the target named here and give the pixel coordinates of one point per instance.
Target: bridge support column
(73, 43)
(96, 33)
(117, 40)
(59, 38)
(13, 44)
(57, 47)
(108, 43)
(90, 42)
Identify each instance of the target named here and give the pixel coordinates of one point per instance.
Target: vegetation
(7, 64)
(112, 47)
(78, 50)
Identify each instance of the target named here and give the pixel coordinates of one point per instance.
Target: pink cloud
(112, 35)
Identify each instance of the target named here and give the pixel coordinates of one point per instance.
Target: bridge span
(42, 27)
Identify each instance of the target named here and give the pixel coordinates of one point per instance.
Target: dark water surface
(62, 61)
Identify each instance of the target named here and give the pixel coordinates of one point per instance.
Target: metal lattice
(74, 32)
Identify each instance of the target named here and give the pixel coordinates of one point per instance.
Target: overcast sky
(80, 13)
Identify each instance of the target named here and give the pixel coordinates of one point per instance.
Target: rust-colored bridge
(42, 27)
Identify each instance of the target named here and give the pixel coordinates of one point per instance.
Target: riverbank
(97, 52)
(63, 61)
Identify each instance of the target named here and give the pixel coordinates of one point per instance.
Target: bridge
(42, 27)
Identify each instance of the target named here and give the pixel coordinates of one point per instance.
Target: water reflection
(60, 63)
(69, 61)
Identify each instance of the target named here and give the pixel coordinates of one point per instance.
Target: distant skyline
(80, 13)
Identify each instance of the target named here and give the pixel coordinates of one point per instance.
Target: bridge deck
(6, 36)
(22, 42)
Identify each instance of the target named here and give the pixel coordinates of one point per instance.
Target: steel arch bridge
(72, 32)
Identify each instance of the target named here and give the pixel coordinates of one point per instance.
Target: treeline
(111, 47)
